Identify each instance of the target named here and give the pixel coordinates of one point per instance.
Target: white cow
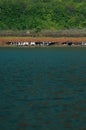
(84, 43)
(32, 43)
(26, 43)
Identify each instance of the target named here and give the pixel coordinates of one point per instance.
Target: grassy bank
(44, 33)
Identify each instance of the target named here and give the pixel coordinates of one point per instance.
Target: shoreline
(41, 39)
(53, 46)
(58, 41)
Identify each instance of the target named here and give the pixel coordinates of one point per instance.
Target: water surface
(43, 89)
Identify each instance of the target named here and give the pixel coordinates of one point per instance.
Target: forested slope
(42, 14)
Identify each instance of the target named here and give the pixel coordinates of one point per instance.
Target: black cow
(69, 43)
(51, 43)
(8, 43)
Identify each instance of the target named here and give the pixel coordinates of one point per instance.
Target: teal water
(43, 89)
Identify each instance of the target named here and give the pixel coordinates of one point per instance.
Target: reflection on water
(43, 89)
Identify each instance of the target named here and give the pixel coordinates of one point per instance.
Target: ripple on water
(42, 89)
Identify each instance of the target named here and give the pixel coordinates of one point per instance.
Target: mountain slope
(42, 14)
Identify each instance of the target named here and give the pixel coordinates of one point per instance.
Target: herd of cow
(44, 43)
(30, 43)
(74, 43)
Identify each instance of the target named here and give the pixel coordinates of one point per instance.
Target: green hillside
(42, 14)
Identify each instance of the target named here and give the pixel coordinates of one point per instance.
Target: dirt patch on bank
(4, 40)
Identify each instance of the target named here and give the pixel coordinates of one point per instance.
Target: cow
(32, 43)
(8, 43)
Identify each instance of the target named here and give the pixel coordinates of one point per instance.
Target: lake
(43, 88)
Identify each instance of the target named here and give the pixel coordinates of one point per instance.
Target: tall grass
(45, 33)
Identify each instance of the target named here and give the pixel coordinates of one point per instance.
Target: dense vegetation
(42, 14)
